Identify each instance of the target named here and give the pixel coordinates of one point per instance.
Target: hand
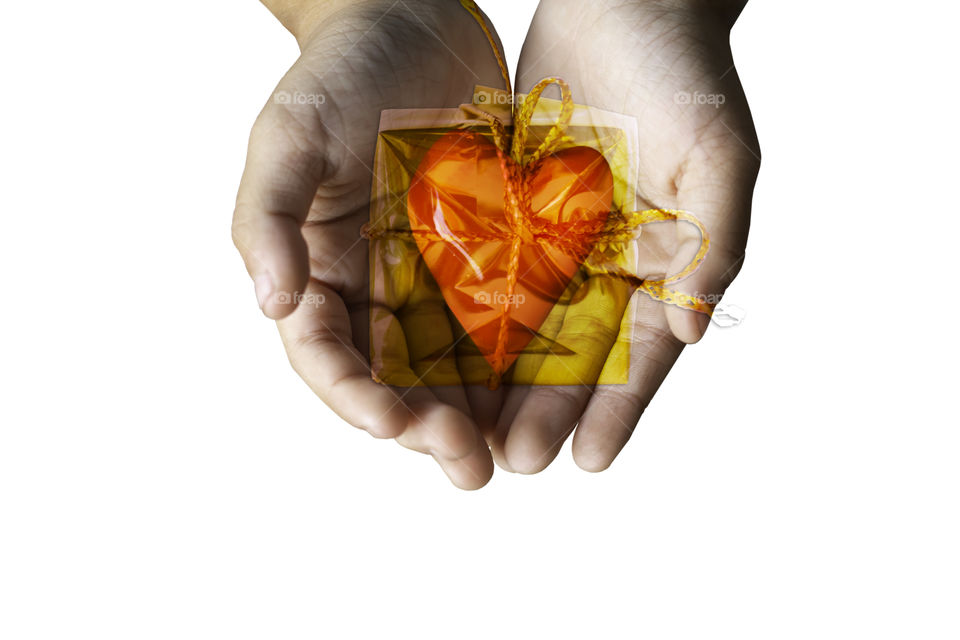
(669, 64)
(305, 194)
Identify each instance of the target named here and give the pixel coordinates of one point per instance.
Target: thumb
(279, 184)
(716, 188)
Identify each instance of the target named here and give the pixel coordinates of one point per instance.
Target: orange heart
(457, 214)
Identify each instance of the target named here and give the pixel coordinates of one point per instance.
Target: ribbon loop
(524, 116)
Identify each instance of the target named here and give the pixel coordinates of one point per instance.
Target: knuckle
(238, 233)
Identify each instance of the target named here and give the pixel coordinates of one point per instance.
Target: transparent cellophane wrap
(415, 336)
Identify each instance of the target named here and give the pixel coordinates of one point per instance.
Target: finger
(483, 403)
(435, 423)
(550, 411)
(436, 427)
(415, 348)
(439, 424)
(318, 340)
(542, 424)
(283, 170)
(716, 186)
(485, 407)
(511, 401)
(614, 410)
(449, 435)
(431, 342)
(471, 472)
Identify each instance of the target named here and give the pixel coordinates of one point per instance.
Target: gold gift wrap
(423, 330)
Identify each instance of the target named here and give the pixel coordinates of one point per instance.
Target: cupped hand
(669, 65)
(305, 195)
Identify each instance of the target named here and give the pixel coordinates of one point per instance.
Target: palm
(665, 61)
(668, 70)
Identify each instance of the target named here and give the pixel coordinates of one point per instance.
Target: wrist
(721, 12)
(302, 17)
(711, 13)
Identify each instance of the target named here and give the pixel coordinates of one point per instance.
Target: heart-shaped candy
(468, 240)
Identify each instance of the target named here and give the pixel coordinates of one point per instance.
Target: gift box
(505, 244)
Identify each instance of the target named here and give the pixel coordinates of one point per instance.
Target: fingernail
(263, 285)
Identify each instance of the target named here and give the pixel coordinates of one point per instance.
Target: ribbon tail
(658, 289)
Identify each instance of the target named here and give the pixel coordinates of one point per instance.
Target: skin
(305, 193)
(701, 158)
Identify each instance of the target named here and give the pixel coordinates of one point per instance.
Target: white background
(165, 474)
